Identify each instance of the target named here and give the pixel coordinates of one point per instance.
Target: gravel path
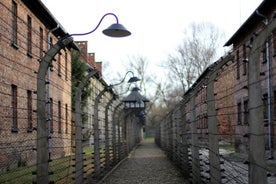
(146, 165)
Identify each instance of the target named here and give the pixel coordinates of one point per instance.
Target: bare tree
(197, 50)
(139, 65)
(150, 87)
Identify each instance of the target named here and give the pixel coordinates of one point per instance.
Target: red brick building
(241, 42)
(24, 37)
(224, 100)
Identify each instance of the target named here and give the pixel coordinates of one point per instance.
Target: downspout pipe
(270, 156)
(48, 95)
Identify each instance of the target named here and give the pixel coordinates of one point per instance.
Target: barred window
(59, 117)
(14, 23)
(238, 63)
(41, 37)
(29, 36)
(14, 104)
(66, 118)
(274, 43)
(66, 66)
(239, 113)
(30, 110)
(245, 112)
(59, 64)
(245, 60)
(265, 104)
(274, 105)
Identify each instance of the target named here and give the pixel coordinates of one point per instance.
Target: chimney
(91, 59)
(99, 67)
(83, 47)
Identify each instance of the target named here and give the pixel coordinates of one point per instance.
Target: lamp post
(107, 136)
(131, 80)
(114, 146)
(115, 30)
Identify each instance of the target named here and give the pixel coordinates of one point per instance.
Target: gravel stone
(147, 164)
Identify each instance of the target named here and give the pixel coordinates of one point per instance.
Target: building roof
(209, 69)
(265, 7)
(47, 18)
(135, 96)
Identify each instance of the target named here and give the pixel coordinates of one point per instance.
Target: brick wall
(18, 68)
(242, 50)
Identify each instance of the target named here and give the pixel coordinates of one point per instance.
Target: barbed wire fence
(201, 133)
(59, 149)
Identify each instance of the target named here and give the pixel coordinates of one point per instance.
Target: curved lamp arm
(131, 80)
(115, 30)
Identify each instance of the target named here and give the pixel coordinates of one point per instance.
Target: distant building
(223, 90)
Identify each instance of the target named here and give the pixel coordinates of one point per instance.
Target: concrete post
(107, 138)
(184, 141)
(167, 134)
(124, 135)
(119, 139)
(133, 135)
(119, 130)
(78, 138)
(215, 171)
(42, 133)
(195, 145)
(257, 172)
(174, 134)
(127, 124)
(97, 164)
(256, 139)
(162, 134)
(114, 143)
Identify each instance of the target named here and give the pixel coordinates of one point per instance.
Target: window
(66, 66)
(274, 43)
(40, 42)
(14, 24)
(59, 64)
(198, 122)
(51, 116)
(14, 103)
(245, 60)
(59, 117)
(238, 63)
(205, 121)
(274, 105)
(264, 54)
(265, 103)
(245, 111)
(66, 118)
(30, 110)
(239, 118)
(29, 36)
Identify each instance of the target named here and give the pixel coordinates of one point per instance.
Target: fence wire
(207, 134)
(19, 111)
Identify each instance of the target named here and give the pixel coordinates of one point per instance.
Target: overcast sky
(156, 25)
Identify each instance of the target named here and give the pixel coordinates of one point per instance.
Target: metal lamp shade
(116, 30)
(133, 79)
